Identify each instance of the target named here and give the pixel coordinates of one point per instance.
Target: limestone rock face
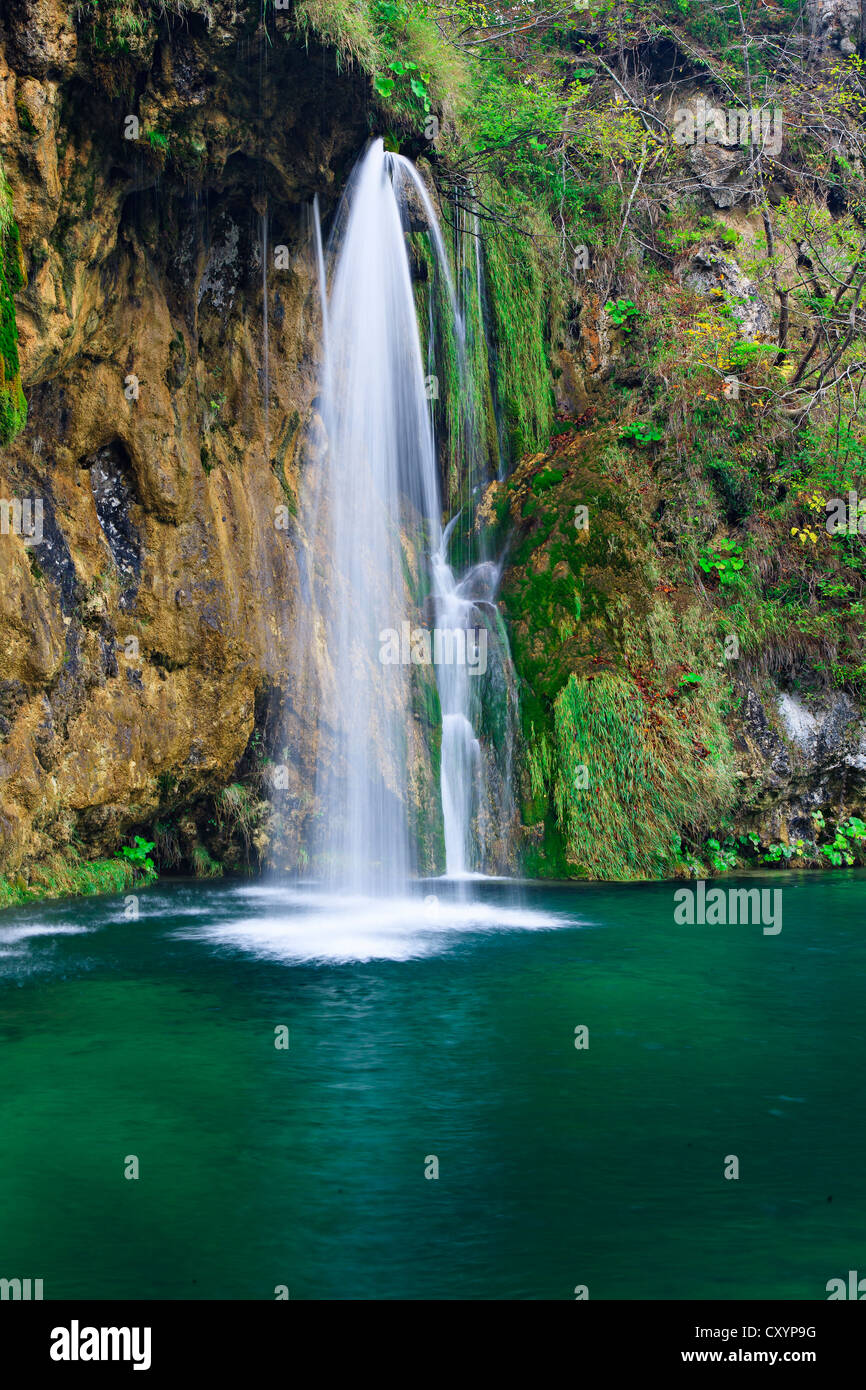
(145, 621)
(710, 269)
(720, 173)
(835, 26)
(800, 754)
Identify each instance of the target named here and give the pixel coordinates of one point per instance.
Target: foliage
(347, 26)
(724, 559)
(517, 276)
(138, 855)
(621, 313)
(408, 81)
(641, 433)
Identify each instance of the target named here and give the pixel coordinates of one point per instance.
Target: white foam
(9, 935)
(327, 927)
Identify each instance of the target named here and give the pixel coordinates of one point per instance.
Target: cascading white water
(375, 515)
(461, 750)
(379, 457)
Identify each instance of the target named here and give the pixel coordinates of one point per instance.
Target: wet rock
(13, 694)
(759, 736)
(114, 499)
(54, 559)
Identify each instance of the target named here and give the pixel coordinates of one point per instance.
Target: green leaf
(384, 85)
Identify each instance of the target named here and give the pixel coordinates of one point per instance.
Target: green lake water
(440, 1028)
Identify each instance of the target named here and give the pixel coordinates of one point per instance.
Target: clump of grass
(6, 214)
(167, 844)
(204, 866)
(67, 875)
(237, 813)
(627, 779)
(343, 25)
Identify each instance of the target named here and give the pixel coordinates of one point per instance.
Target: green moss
(118, 26)
(519, 290)
(13, 406)
(547, 478)
(25, 120)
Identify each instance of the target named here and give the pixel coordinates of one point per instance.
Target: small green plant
(821, 304)
(690, 679)
(745, 354)
(641, 433)
(724, 559)
(622, 312)
(778, 852)
(138, 855)
(158, 141)
(840, 850)
(407, 78)
(722, 856)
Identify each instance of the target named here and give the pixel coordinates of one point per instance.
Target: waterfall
(373, 520)
(461, 751)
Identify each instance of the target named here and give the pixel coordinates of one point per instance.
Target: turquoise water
(433, 1029)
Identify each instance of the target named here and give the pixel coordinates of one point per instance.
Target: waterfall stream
(373, 518)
